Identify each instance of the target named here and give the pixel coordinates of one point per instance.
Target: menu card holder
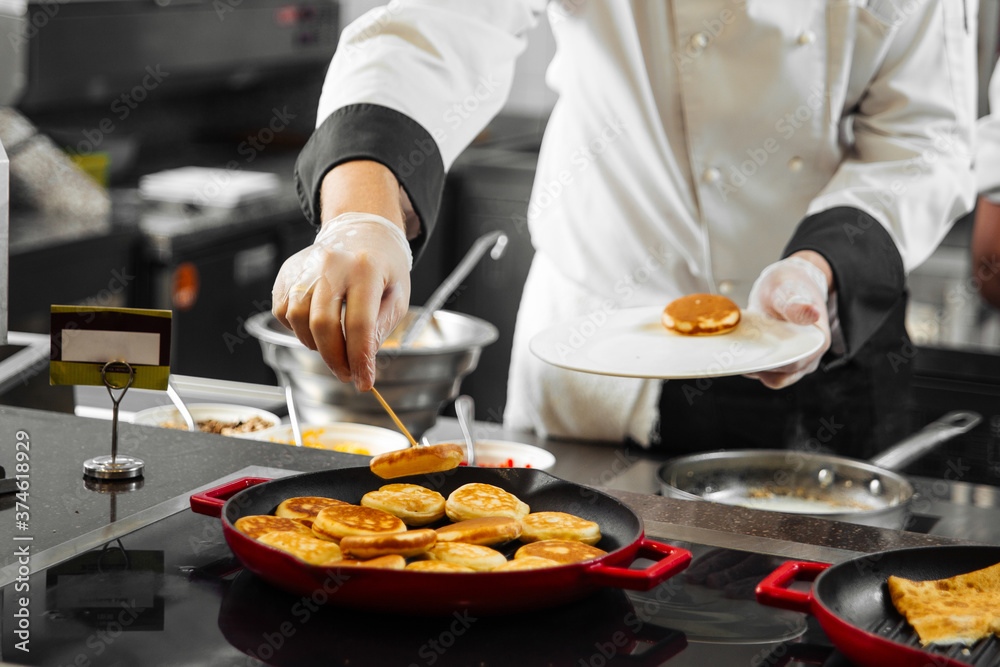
(115, 466)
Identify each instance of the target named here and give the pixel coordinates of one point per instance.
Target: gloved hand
(359, 260)
(795, 290)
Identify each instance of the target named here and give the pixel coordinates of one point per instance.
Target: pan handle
(669, 561)
(774, 591)
(210, 502)
(910, 449)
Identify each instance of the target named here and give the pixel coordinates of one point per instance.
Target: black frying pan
(408, 591)
(851, 601)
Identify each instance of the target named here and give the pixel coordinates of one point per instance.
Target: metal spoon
(175, 398)
(465, 408)
(498, 240)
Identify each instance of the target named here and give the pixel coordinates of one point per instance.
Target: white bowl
(223, 412)
(340, 437)
(507, 454)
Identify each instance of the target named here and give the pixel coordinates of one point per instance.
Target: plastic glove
(346, 292)
(794, 290)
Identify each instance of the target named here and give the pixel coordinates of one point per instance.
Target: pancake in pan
(540, 526)
(526, 563)
(414, 504)
(409, 543)
(305, 508)
(477, 500)
(476, 556)
(561, 551)
(310, 549)
(256, 525)
(436, 566)
(339, 521)
(486, 530)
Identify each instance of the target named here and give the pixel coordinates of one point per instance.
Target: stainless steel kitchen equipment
(416, 381)
(835, 487)
(4, 246)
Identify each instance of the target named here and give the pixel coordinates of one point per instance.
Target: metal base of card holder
(115, 467)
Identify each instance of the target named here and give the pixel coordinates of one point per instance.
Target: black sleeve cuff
(373, 132)
(867, 269)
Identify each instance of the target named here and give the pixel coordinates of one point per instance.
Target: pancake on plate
(408, 543)
(305, 508)
(436, 566)
(414, 504)
(540, 526)
(417, 460)
(487, 530)
(561, 551)
(310, 549)
(526, 563)
(477, 500)
(339, 521)
(475, 556)
(256, 525)
(701, 315)
(391, 562)
(959, 610)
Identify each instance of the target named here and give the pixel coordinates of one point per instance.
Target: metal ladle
(498, 241)
(465, 409)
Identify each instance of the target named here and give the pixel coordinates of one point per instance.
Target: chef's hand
(345, 293)
(794, 289)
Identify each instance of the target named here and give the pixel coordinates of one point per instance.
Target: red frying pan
(431, 592)
(851, 602)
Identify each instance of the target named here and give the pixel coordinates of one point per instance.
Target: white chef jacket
(689, 141)
(987, 162)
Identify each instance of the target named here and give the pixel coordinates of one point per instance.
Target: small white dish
(508, 454)
(339, 437)
(168, 416)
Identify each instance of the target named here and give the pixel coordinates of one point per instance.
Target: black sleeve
(373, 132)
(867, 269)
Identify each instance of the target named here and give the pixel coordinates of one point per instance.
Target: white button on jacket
(693, 135)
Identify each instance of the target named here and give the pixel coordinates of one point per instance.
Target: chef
(797, 156)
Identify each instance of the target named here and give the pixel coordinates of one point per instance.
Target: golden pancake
(417, 460)
(487, 530)
(339, 521)
(959, 610)
(391, 562)
(436, 566)
(476, 500)
(539, 526)
(526, 563)
(261, 524)
(561, 551)
(701, 315)
(310, 549)
(476, 556)
(414, 504)
(409, 543)
(305, 508)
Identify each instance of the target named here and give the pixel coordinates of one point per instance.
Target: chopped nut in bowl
(234, 420)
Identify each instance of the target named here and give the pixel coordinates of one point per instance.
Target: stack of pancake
(410, 526)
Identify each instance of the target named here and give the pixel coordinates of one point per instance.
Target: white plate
(339, 436)
(495, 453)
(633, 343)
(223, 412)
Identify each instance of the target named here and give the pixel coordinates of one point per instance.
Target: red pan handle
(210, 502)
(669, 561)
(774, 591)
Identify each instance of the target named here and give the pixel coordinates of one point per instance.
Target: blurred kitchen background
(127, 89)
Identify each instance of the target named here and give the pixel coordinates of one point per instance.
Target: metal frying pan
(432, 592)
(834, 487)
(852, 604)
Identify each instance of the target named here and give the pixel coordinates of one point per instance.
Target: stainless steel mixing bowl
(416, 381)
